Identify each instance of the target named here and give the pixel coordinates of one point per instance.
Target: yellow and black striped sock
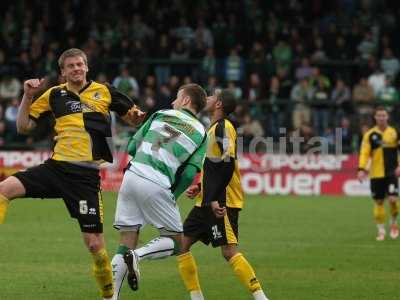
(4, 202)
(103, 273)
(188, 270)
(379, 213)
(245, 272)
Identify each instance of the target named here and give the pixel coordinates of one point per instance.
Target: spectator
(320, 107)
(204, 34)
(389, 96)
(10, 118)
(183, 32)
(377, 80)
(250, 129)
(10, 87)
(236, 90)
(126, 83)
(363, 97)
(234, 67)
(282, 55)
(304, 70)
(390, 64)
(162, 51)
(179, 53)
(347, 135)
(341, 98)
(301, 96)
(208, 65)
(367, 47)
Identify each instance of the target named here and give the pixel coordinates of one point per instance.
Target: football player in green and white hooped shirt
(167, 152)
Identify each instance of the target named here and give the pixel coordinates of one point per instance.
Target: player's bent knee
(229, 251)
(12, 188)
(94, 242)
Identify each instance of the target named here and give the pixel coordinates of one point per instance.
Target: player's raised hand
(218, 211)
(32, 86)
(192, 191)
(134, 116)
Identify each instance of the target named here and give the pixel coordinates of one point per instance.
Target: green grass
(302, 248)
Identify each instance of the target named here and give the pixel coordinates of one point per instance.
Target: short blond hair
(73, 52)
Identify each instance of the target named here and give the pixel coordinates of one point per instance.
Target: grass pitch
(302, 248)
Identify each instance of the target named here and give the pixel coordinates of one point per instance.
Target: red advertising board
(261, 174)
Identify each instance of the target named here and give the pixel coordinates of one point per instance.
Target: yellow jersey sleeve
(223, 139)
(40, 105)
(365, 152)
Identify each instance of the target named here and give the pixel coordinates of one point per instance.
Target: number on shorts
(83, 207)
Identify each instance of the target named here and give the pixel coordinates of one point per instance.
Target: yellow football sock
(103, 273)
(379, 213)
(245, 272)
(4, 202)
(394, 209)
(188, 270)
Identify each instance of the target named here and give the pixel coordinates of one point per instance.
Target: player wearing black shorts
(214, 219)
(380, 147)
(82, 124)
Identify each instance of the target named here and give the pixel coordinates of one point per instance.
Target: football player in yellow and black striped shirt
(82, 126)
(220, 198)
(380, 148)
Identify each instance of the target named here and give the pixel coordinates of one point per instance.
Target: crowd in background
(311, 66)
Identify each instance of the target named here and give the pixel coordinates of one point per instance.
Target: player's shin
(4, 202)
(188, 271)
(157, 248)
(246, 274)
(119, 269)
(102, 272)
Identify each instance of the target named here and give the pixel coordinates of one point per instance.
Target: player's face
(180, 101)
(381, 118)
(74, 69)
(211, 103)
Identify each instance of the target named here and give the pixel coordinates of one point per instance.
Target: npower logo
(284, 184)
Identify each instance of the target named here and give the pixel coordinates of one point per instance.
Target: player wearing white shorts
(167, 152)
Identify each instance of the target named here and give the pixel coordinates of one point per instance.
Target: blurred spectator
(208, 65)
(301, 96)
(162, 51)
(234, 67)
(320, 106)
(377, 80)
(183, 32)
(10, 118)
(204, 34)
(341, 98)
(236, 90)
(257, 59)
(389, 96)
(276, 111)
(126, 83)
(367, 47)
(10, 87)
(2, 126)
(250, 129)
(319, 53)
(212, 85)
(282, 55)
(179, 53)
(390, 64)
(304, 70)
(164, 98)
(347, 135)
(363, 97)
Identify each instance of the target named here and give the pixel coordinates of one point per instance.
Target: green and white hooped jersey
(169, 140)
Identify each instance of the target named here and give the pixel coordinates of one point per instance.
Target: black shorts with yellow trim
(201, 224)
(385, 186)
(78, 186)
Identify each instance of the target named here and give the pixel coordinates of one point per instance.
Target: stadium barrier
(270, 174)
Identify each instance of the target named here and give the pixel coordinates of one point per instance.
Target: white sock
(259, 295)
(119, 270)
(196, 295)
(157, 248)
(381, 228)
